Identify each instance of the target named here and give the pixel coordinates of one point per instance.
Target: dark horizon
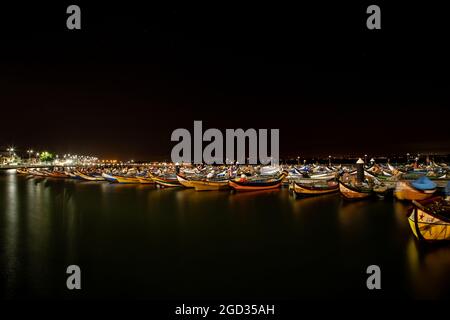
(119, 87)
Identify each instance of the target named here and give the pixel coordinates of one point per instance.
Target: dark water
(136, 241)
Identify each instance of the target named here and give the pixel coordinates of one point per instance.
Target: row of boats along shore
(426, 186)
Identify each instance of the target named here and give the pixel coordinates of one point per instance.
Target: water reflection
(10, 229)
(166, 242)
(429, 266)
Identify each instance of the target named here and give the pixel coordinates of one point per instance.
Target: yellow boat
(124, 179)
(22, 171)
(146, 180)
(185, 182)
(430, 219)
(205, 185)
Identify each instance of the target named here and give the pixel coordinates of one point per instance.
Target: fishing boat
(244, 184)
(185, 182)
(421, 189)
(145, 180)
(166, 181)
(315, 188)
(72, 175)
(430, 219)
(355, 192)
(126, 179)
(80, 175)
(210, 185)
(109, 178)
(39, 173)
(323, 176)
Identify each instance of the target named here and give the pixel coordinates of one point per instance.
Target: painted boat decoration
(430, 219)
(353, 192)
(313, 189)
(250, 185)
(421, 189)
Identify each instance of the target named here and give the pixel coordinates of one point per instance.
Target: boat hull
(311, 190)
(245, 186)
(351, 193)
(185, 182)
(122, 179)
(426, 226)
(210, 185)
(404, 191)
(86, 177)
(145, 180)
(168, 183)
(109, 178)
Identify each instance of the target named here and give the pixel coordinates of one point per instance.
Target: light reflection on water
(169, 243)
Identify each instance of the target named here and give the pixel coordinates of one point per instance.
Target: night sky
(119, 87)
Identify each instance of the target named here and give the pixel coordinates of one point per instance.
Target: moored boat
(421, 189)
(244, 184)
(80, 175)
(354, 192)
(126, 179)
(208, 185)
(185, 182)
(109, 178)
(166, 181)
(145, 180)
(317, 188)
(430, 219)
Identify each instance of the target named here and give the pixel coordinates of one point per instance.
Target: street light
(10, 150)
(30, 152)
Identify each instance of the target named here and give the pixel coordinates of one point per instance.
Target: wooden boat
(312, 189)
(82, 176)
(408, 191)
(146, 180)
(22, 171)
(353, 192)
(126, 179)
(210, 185)
(164, 181)
(184, 181)
(323, 176)
(430, 219)
(72, 175)
(253, 184)
(39, 173)
(109, 178)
